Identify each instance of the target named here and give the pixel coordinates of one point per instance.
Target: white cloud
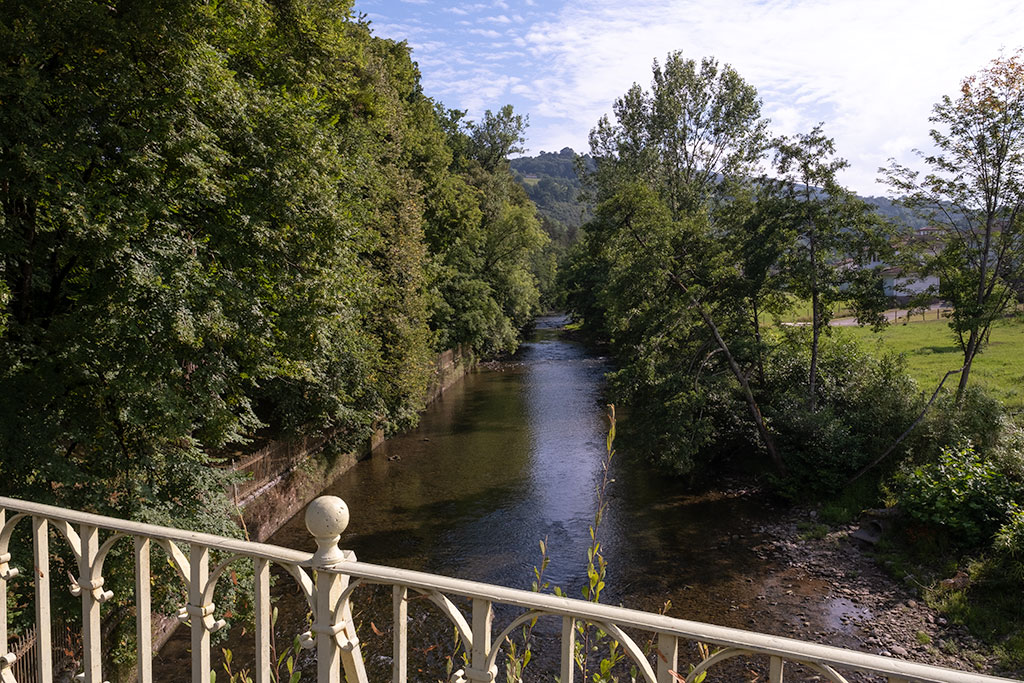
(869, 68)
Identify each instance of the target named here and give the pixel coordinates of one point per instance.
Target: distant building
(903, 285)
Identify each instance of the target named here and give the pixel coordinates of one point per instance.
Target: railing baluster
(775, 670)
(668, 656)
(351, 655)
(568, 664)
(328, 654)
(482, 618)
(400, 633)
(91, 635)
(41, 558)
(199, 563)
(3, 597)
(143, 617)
(261, 568)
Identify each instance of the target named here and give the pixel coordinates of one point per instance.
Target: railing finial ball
(326, 519)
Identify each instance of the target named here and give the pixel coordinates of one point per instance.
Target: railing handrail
(238, 546)
(729, 637)
(726, 636)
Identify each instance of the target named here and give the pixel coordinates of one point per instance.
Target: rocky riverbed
(830, 590)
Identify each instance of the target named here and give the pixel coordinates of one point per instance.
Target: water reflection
(512, 455)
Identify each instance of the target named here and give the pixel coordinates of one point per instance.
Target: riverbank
(831, 590)
(286, 475)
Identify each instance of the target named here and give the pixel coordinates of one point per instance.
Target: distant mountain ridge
(551, 182)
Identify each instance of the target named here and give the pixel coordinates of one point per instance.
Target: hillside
(551, 182)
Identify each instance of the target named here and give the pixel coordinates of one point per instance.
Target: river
(512, 455)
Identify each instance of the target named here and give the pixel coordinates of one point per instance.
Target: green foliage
(963, 493)
(286, 660)
(862, 405)
(217, 218)
(1008, 545)
(485, 239)
(974, 192)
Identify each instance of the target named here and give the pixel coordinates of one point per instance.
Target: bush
(1009, 546)
(962, 492)
(863, 404)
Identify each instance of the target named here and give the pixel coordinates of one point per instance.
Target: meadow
(931, 350)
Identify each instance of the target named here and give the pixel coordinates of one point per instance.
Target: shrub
(863, 404)
(962, 492)
(1009, 546)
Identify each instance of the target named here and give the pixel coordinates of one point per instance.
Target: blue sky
(870, 69)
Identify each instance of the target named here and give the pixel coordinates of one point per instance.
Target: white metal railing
(327, 579)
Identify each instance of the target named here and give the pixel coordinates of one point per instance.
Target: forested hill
(551, 182)
(222, 217)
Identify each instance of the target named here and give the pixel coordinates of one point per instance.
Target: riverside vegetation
(221, 218)
(692, 260)
(218, 218)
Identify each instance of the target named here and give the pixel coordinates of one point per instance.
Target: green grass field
(931, 351)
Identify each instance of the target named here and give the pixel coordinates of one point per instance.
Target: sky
(871, 70)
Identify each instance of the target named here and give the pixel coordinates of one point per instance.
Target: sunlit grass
(931, 351)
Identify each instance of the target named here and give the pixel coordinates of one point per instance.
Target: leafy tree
(832, 236)
(484, 235)
(663, 171)
(497, 136)
(220, 218)
(975, 192)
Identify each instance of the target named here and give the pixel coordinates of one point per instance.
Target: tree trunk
(970, 351)
(812, 379)
(737, 371)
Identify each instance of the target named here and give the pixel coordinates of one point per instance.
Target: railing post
(568, 664)
(6, 658)
(336, 641)
(44, 640)
(199, 563)
(482, 618)
(668, 657)
(92, 645)
(261, 569)
(143, 617)
(775, 670)
(400, 633)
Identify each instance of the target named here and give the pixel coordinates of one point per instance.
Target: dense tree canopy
(691, 253)
(217, 217)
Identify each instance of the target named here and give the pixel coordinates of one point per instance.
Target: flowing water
(512, 455)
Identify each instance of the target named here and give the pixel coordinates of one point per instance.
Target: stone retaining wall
(286, 475)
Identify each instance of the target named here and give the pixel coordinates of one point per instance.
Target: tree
(497, 136)
(483, 234)
(975, 192)
(675, 154)
(832, 234)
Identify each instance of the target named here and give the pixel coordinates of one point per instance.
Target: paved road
(893, 315)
